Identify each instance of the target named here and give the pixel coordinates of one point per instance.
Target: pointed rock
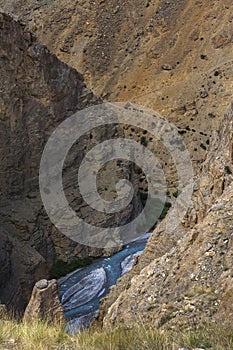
(45, 303)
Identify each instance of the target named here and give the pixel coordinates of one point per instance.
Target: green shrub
(211, 115)
(203, 57)
(182, 132)
(176, 193)
(203, 146)
(228, 170)
(62, 268)
(144, 141)
(166, 208)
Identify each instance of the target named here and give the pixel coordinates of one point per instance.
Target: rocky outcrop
(44, 303)
(38, 92)
(186, 277)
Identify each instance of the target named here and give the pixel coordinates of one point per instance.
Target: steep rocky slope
(190, 284)
(172, 56)
(37, 93)
(187, 277)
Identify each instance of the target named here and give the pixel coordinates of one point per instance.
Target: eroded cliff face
(186, 277)
(38, 92)
(172, 56)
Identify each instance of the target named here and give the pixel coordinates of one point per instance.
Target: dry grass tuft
(39, 335)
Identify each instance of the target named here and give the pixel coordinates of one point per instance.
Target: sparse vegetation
(62, 268)
(144, 141)
(128, 285)
(154, 213)
(203, 146)
(182, 132)
(176, 193)
(203, 57)
(228, 170)
(166, 208)
(138, 170)
(143, 196)
(151, 307)
(119, 162)
(37, 335)
(211, 115)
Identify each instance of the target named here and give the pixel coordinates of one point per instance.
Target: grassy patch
(37, 335)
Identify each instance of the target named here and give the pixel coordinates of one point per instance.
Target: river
(82, 290)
